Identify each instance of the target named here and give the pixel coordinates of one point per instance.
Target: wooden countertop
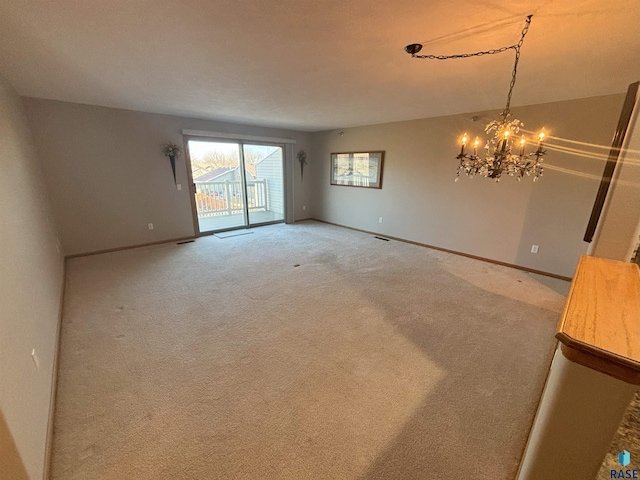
(600, 325)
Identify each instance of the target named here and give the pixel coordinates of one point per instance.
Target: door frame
(241, 141)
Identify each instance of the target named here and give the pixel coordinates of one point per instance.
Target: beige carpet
(371, 359)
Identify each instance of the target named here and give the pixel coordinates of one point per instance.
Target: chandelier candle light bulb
(505, 141)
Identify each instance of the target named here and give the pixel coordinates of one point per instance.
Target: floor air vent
(380, 238)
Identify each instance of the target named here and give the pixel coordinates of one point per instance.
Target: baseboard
(56, 353)
(129, 247)
(54, 379)
(462, 254)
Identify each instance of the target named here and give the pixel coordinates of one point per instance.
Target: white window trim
(236, 136)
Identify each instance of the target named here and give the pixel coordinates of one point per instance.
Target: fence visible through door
(220, 198)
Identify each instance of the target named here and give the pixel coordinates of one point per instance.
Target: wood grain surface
(600, 324)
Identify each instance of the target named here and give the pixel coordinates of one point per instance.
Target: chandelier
(503, 153)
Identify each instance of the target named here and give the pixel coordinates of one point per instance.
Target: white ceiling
(314, 64)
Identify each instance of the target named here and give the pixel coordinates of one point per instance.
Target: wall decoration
(172, 151)
(302, 158)
(357, 169)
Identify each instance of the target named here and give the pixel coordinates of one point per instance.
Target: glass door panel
(218, 183)
(265, 183)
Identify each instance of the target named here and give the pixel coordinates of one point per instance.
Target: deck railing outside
(225, 198)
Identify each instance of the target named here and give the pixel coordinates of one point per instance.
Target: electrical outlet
(380, 220)
(179, 186)
(150, 225)
(534, 248)
(34, 357)
(304, 207)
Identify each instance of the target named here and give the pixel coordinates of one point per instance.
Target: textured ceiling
(314, 64)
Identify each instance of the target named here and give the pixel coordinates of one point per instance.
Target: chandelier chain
(516, 47)
(493, 51)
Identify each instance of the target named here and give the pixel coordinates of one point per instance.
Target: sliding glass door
(265, 183)
(236, 184)
(218, 185)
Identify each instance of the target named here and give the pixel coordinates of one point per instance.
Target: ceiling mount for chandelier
(504, 153)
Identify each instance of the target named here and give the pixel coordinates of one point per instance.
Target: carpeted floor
(224, 359)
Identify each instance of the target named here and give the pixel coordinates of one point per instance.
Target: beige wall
(618, 229)
(420, 201)
(108, 178)
(30, 289)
